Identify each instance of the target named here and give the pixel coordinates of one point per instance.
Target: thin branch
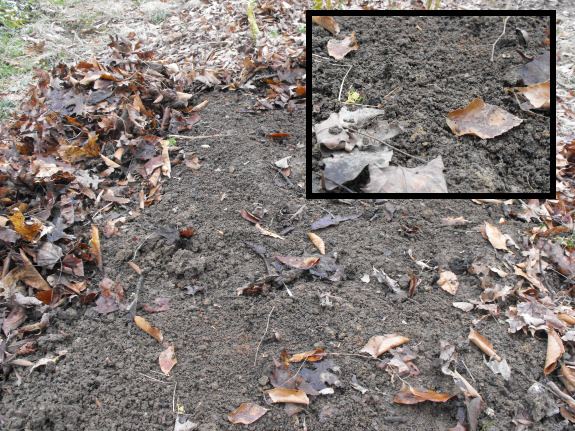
(493, 50)
(265, 332)
(385, 143)
(341, 87)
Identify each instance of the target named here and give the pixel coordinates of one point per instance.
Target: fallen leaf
(498, 271)
(163, 305)
(279, 136)
(340, 48)
(496, 238)
(465, 306)
(327, 22)
(145, 326)
(555, 350)
(499, 367)
(481, 119)
(452, 221)
(192, 161)
(247, 413)
(267, 232)
(482, 342)
(111, 296)
(29, 230)
(167, 359)
(382, 343)
(535, 282)
(538, 95)
(280, 395)
(448, 282)
(298, 262)
(382, 277)
(311, 356)
(249, 216)
(317, 241)
(419, 395)
(427, 178)
(329, 221)
(357, 386)
(95, 246)
(536, 71)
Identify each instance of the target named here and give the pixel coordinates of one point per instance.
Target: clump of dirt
(421, 68)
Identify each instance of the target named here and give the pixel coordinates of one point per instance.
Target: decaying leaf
(111, 296)
(298, 262)
(311, 356)
(427, 178)
(496, 238)
(499, 367)
(167, 359)
(482, 342)
(555, 350)
(247, 413)
(448, 282)
(249, 216)
(340, 48)
(280, 395)
(481, 119)
(536, 71)
(163, 304)
(382, 343)
(145, 326)
(329, 221)
(452, 221)
(317, 241)
(327, 22)
(382, 277)
(419, 395)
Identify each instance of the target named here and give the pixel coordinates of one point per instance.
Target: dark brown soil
(436, 65)
(110, 379)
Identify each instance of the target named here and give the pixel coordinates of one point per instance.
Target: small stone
(232, 169)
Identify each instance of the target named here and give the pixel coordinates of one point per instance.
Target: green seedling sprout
(353, 97)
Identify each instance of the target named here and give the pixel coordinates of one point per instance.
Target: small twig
(140, 246)
(134, 305)
(465, 365)
(279, 171)
(389, 94)
(522, 108)
(151, 378)
(265, 332)
(385, 143)
(331, 60)
(340, 88)
(174, 398)
(493, 50)
(568, 399)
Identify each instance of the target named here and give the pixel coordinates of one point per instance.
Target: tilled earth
(110, 378)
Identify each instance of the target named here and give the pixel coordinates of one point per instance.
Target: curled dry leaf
(95, 246)
(555, 350)
(268, 232)
(448, 282)
(247, 413)
(327, 22)
(311, 356)
(318, 242)
(168, 360)
(382, 343)
(249, 216)
(482, 342)
(419, 395)
(144, 325)
(538, 95)
(496, 238)
(280, 395)
(298, 262)
(340, 48)
(481, 119)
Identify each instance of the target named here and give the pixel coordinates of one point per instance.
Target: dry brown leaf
(567, 376)
(28, 229)
(280, 395)
(419, 395)
(396, 179)
(95, 246)
(144, 325)
(327, 22)
(382, 343)
(448, 282)
(166, 166)
(298, 262)
(340, 48)
(135, 267)
(538, 95)
(311, 356)
(555, 350)
(317, 241)
(532, 280)
(481, 119)
(268, 232)
(167, 360)
(192, 161)
(247, 413)
(566, 318)
(499, 272)
(496, 238)
(249, 216)
(452, 221)
(482, 342)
